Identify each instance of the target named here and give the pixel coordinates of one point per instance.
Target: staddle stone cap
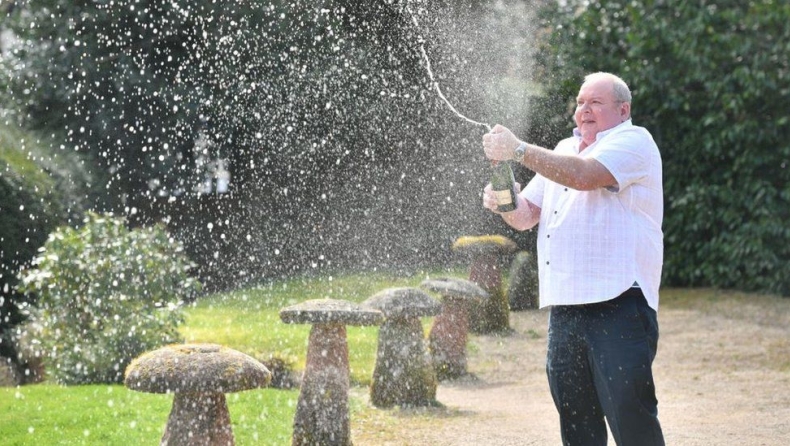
(450, 287)
(404, 302)
(200, 368)
(484, 244)
(330, 311)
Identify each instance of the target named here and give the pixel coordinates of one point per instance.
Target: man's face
(597, 109)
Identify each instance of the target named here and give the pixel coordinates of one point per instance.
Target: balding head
(619, 88)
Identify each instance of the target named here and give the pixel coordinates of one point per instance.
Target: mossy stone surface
(405, 302)
(453, 288)
(330, 311)
(195, 368)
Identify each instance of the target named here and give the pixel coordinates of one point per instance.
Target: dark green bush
(105, 295)
(33, 201)
(709, 81)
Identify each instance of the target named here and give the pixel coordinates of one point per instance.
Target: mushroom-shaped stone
(522, 290)
(199, 375)
(448, 336)
(404, 375)
(322, 416)
(487, 253)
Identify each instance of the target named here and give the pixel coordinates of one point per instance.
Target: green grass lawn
(246, 320)
(47, 414)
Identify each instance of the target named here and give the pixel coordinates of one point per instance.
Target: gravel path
(722, 375)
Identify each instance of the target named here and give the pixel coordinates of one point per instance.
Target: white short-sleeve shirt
(593, 245)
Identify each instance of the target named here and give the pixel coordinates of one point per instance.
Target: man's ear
(625, 111)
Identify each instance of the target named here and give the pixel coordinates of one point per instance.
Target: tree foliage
(39, 190)
(106, 294)
(340, 150)
(279, 89)
(709, 81)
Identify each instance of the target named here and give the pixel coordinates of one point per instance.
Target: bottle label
(503, 197)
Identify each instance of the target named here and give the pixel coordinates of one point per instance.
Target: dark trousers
(599, 365)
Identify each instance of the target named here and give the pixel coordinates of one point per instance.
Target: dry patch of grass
(763, 309)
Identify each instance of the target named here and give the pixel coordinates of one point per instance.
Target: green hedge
(710, 81)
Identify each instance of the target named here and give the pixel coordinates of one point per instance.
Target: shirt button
(555, 212)
(548, 236)
(566, 189)
(547, 262)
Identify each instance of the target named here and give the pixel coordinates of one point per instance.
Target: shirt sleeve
(626, 155)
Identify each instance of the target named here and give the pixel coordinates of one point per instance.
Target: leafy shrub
(106, 294)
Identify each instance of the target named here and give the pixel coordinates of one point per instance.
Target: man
(597, 199)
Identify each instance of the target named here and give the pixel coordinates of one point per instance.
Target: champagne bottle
(502, 183)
